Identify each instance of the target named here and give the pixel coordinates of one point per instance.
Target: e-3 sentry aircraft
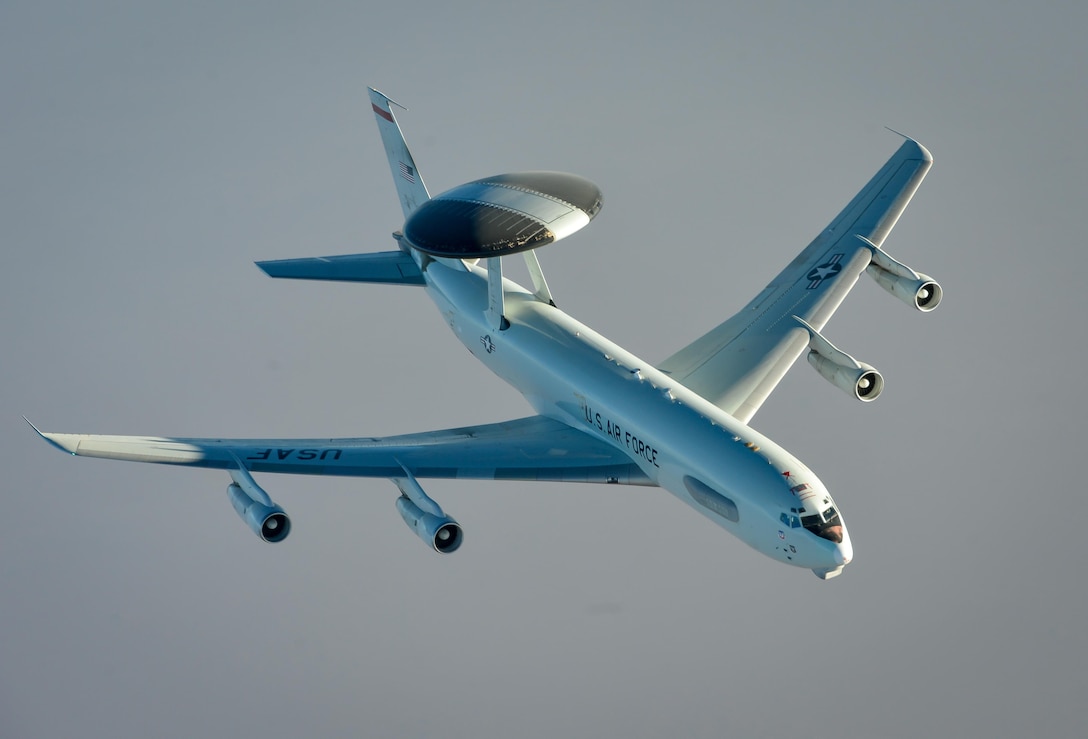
(603, 414)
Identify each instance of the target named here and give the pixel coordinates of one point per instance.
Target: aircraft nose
(844, 551)
(832, 533)
(841, 554)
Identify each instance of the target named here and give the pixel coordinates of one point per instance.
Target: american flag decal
(407, 172)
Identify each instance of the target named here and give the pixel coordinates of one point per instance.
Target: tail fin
(411, 191)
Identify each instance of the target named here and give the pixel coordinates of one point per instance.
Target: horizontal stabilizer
(387, 267)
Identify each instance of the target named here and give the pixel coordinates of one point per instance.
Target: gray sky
(152, 152)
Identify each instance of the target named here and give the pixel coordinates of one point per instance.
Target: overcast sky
(152, 151)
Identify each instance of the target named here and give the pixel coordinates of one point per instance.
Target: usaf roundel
(830, 268)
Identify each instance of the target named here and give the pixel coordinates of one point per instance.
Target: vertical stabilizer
(411, 191)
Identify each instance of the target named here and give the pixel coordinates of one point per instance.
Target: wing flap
(534, 448)
(738, 364)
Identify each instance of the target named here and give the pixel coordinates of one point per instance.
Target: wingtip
(924, 151)
(49, 439)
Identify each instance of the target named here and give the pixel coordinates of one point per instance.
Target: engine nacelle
(266, 520)
(913, 288)
(855, 378)
(425, 517)
(921, 292)
(441, 532)
(840, 369)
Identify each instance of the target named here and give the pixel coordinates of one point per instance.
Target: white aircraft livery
(603, 414)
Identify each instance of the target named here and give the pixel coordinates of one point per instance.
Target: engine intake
(913, 288)
(441, 533)
(269, 522)
(840, 369)
(425, 517)
(855, 378)
(922, 291)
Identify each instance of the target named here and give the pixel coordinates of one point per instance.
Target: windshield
(826, 525)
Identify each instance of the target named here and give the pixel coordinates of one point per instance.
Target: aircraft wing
(534, 448)
(738, 364)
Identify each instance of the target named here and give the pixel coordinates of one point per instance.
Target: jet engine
(426, 518)
(856, 378)
(840, 369)
(913, 288)
(922, 291)
(266, 521)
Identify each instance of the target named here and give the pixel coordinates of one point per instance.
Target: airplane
(602, 414)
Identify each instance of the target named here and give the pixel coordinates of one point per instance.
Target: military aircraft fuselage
(722, 468)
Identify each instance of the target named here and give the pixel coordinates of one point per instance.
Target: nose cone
(844, 549)
(842, 554)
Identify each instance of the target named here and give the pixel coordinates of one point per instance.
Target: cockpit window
(826, 525)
